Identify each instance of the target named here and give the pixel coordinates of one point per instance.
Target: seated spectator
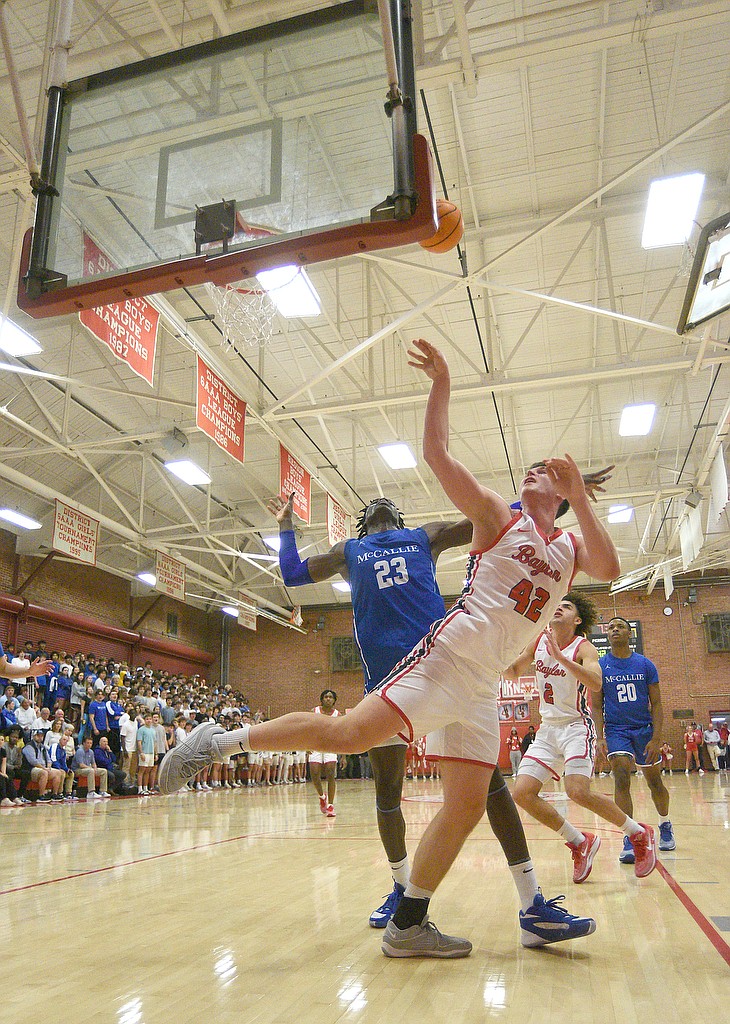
(26, 716)
(7, 789)
(15, 769)
(37, 766)
(60, 761)
(43, 721)
(70, 746)
(9, 699)
(85, 767)
(52, 736)
(104, 757)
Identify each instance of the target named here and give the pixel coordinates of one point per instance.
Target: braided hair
(360, 522)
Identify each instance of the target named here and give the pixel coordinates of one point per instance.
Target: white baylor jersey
(510, 593)
(563, 698)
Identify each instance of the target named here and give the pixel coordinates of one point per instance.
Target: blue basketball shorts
(629, 741)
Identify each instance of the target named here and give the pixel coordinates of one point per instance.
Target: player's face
(328, 700)
(381, 515)
(619, 632)
(567, 615)
(537, 483)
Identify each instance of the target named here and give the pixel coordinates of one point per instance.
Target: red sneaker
(330, 812)
(583, 856)
(323, 804)
(644, 851)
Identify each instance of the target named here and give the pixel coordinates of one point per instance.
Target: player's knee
(522, 794)
(577, 788)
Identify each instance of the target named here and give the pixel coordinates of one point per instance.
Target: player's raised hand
(282, 510)
(427, 358)
(594, 480)
(566, 477)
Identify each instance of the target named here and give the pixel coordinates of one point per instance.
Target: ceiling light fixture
(15, 341)
(291, 291)
(188, 472)
(147, 577)
(671, 210)
(18, 519)
(228, 609)
(398, 456)
(636, 420)
(342, 585)
(620, 513)
(272, 542)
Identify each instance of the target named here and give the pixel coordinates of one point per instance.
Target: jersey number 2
(525, 603)
(388, 573)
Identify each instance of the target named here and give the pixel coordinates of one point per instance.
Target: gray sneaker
(423, 939)
(184, 761)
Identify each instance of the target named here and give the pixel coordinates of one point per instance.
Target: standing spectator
(146, 748)
(104, 757)
(527, 739)
(513, 746)
(667, 757)
(160, 745)
(98, 719)
(114, 711)
(85, 766)
(691, 744)
(722, 752)
(128, 737)
(699, 739)
(38, 768)
(22, 664)
(711, 737)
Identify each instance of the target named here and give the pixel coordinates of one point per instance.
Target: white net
(245, 315)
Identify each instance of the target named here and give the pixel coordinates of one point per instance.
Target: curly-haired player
(566, 667)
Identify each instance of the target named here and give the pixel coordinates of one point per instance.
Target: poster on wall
(506, 712)
(522, 712)
(220, 413)
(294, 477)
(129, 328)
(338, 522)
(75, 534)
(170, 575)
(600, 641)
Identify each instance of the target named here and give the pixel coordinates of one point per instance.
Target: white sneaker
(188, 758)
(701, 771)
(91, 796)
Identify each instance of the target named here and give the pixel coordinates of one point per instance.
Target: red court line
(696, 914)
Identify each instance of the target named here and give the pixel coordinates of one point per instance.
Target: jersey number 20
(388, 573)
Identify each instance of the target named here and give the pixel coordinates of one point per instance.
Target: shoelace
(553, 905)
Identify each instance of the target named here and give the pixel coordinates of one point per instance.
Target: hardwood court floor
(249, 906)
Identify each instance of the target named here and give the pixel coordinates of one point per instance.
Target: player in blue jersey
(395, 598)
(629, 719)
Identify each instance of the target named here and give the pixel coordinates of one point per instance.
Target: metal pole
(39, 276)
(401, 106)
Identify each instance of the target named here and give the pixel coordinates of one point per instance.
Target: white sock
(525, 880)
(663, 819)
(631, 827)
(401, 871)
(418, 893)
(228, 743)
(571, 834)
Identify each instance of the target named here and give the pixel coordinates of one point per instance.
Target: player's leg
(388, 765)
(329, 771)
(315, 775)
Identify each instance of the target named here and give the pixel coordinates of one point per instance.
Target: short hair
(360, 522)
(622, 619)
(324, 693)
(587, 611)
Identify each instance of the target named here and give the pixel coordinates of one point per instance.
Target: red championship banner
(129, 328)
(170, 575)
(246, 613)
(294, 477)
(221, 414)
(337, 522)
(75, 534)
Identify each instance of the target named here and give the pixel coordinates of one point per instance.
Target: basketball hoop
(245, 315)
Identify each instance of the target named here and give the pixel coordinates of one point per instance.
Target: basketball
(450, 229)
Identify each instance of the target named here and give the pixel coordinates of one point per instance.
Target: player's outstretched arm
(596, 554)
(487, 510)
(585, 667)
(522, 665)
(314, 569)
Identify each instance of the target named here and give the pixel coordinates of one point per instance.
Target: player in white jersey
(322, 763)
(519, 568)
(566, 667)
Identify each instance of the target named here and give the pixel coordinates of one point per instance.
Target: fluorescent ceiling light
(671, 210)
(15, 341)
(147, 577)
(620, 513)
(228, 609)
(636, 420)
(398, 456)
(188, 472)
(18, 519)
(272, 542)
(342, 585)
(291, 291)
(259, 558)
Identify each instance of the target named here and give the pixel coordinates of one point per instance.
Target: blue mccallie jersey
(395, 597)
(626, 684)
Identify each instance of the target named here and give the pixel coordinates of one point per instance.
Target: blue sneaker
(380, 917)
(546, 922)
(627, 855)
(666, 836)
